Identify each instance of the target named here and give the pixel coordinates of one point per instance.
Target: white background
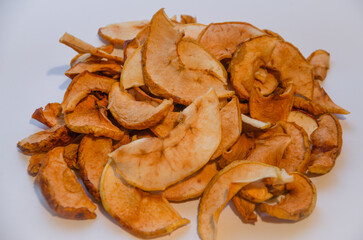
(32, 63)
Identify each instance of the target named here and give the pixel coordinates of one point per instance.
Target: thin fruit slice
(302, 119)
(163, 128)
(133, 114)
(108, 68)
(156, 163)
(298, 203)
(92, 158)
(89, 116)
(191, 30)
(256, 192)
(132, 75)
(320, 60)
(35, 162)
(118, 33)
(251, 123)
(61, 189)
(50, 116)
(192, 186)
(222, 39)
(186, 19)
(81, 86)
(225, 185)
(245, 208)
(132, 45)
(164, 73)
(141, 213)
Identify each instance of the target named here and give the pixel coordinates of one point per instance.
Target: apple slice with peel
(143, 214)
(254, 123)
(153, 164)
(225, 185)
(304, 120)
(131, 75)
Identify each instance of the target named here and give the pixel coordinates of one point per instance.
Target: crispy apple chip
(298, 203)
(320, 60)
(304, 120)
(143, 214)
(132, 75)
(92, 158)
(81, 86)
(245, 208)
(222, 39)
(327, 144)
(156, 163)
(164, 73)
(131, 46)
(50, 116)
(225, 185)
(89, 117)
(62, 191)
(256, 192)
(252, 124)
(133, 114)
(191, 30)
(35, 162)
(163, 128)
(108, 68)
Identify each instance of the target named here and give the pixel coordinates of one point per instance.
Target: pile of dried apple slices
(176, 110)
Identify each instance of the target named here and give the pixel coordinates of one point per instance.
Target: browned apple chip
(327, 144)
(222, 39)
(35, 162)
(143, 214)
(187, 19)
(245, 208)
(132, 75)
(139, 95)
(84, 57)
(272, 33)
(133, 114)
(92, 158)
(70, 154)
(320, 60)
(303, 119)
(163, 128)
(108, 68)
(298, 203)
(191, 30)
(50, 116)
(131, 46)
(90, 118)
(62, 191)
(244, 108)
(256, 192)
(124, 140)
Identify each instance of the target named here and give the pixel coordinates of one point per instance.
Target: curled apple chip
(118, 33)
(132, 75)
(191, 30)
(184, 18)
(84, 57)
(163, 128)
(256, 192)
(245, 208)
(62, 191)
(192, 186)
(327, 144)
(89, 117)
(108, 68)
(222, 39)
(92, 158)
(249, 123)
(298, 203)
(81, 86)
(155, 163)
(50, 116)
(164, 73)
(225, 184)
(133, 114)
(320, 60)
(304, 120)
(143, 214)
(131, 45)
(279, 58)
(272, 33)
(35, 162)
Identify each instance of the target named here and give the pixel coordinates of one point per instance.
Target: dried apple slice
(231, 126)
(109, 68)
(298, 203)
(222, 39)
(266, 81)
(81, 86)
(164, 73)
(89, 117)
(50, 116)
(134, 114)
(191, 30)
(35, 162)
(118, 33)
(225, 185)
(245, 208)
(302, 119)
(327, 144)
(272, 33)
(141, 213)
(132, 45)
(192, 186)
(62, 191)
(156, 163)
(249, 123)
(132, 75)
(320, 60)
(163, 128)
(92, 158)
(256, 192)
(184, 18)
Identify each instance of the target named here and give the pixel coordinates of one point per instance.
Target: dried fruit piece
(184, 18)
(156, 163)
(272, 33)
(92, 158)
(245, 208)
(191, 30)
(133, 114)
(142, 213)
(225, 185)
(302, 119)
(266, 82)
(163, 128)
(251, 124)
(320, 60)
(327, 144)
(256, 192)
(70, 155)
(61, 189)
(50, 116)
(132, 75)
(132, 45)
(298, 203)
(109, 68)
(35, 162)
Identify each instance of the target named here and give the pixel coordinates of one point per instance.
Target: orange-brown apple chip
(222, 39)
(92, 158)
(35, 162)
(255, 192)
(192, 186)
(89, 116)
(81, 86)
(50, 116)
(61, 189)
(225, 185)
(184, 18)
(303, 119)
(191, 30)
(163, 128)
(143, 214)
(327, 144)
(108, 68)
(131, 46)
(132, 75)
(320, 60)
(155, 163)
(164, 73)
(298, 203)
(245, 208)
(133, 114)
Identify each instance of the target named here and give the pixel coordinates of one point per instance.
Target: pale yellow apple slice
(164, 73)
(118, 33)
(133, 114)
(225, 185)
(143, 214)
(81, 86)
(307, 122)
(132, 75)
(254, 123)
(156, 163)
